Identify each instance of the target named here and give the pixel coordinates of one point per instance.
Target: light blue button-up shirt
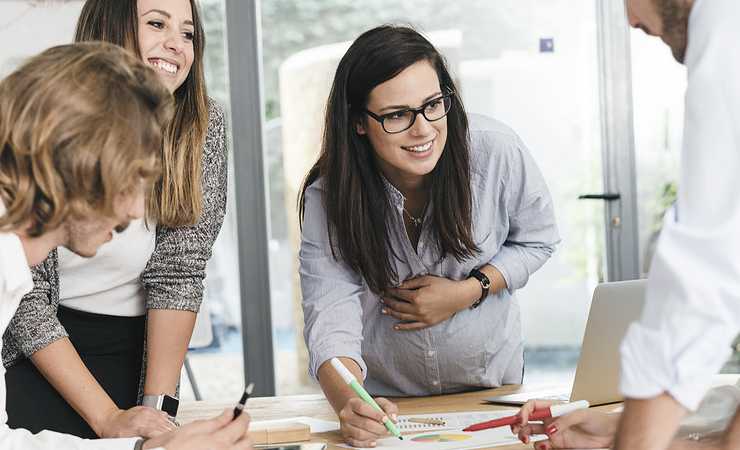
(513, 225)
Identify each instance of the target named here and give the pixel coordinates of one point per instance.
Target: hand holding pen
(243, 401)
(363, 419)
(582, 428)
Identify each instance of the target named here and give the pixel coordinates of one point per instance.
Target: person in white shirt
(692, 311)
(80, 136)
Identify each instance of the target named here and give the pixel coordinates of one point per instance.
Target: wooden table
(316, 406)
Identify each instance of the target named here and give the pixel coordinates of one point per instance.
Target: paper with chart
(452, 421)
(450, 435)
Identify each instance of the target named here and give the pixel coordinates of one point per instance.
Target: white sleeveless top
(108, 283)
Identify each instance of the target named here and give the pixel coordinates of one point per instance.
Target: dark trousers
(112, 349)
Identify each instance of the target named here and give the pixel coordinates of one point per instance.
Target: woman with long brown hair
(76, 347)
(419, 222)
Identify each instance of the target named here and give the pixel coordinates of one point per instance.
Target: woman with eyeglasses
(419, 222)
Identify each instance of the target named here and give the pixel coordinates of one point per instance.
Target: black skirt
(112, 349)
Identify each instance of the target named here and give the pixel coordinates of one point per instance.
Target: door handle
(607, 196)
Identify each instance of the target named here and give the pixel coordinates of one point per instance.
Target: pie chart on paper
(440, 437)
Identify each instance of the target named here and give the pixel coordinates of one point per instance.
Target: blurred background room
(599, 106)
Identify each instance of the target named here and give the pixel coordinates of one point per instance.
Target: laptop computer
(614, 306)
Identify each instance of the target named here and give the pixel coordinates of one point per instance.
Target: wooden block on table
(280, 433)
(258, 436)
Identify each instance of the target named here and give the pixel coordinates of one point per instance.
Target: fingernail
(384, 311)
(521, 438)
(395, 417)
(552, 429)
(396, 328)
(385, 418)
(541, 447)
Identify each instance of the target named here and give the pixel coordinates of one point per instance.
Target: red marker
(537, 414)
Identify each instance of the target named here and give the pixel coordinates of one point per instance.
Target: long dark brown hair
(177, 199)
(355, 198)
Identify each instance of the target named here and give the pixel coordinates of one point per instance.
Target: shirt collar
(14, 268)
(396, 197)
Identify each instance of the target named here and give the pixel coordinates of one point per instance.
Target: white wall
(27, 28)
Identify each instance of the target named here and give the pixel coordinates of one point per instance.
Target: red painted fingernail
(541, 447)
(552, 429)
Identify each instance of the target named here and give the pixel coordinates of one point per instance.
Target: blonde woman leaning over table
(419, 223)
(96, 334)
(66, 115)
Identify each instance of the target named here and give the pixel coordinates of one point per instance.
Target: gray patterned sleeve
(174, 276)
(35, 324)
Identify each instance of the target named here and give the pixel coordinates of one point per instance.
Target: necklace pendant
(416, 222)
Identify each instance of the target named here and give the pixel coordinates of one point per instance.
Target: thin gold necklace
(416, 221)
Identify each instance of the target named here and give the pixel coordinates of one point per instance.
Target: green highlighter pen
(362, 393)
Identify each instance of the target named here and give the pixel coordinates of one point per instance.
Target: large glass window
(658, 88)
(216, 359)
(531, 64)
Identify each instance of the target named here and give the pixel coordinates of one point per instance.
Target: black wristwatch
(162, 402)
(485, 285)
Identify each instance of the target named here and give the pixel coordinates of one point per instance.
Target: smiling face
(85, 235)
(166, 39)
(667, 19)
(406, 158)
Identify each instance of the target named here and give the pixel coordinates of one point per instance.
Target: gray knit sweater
(173, 277)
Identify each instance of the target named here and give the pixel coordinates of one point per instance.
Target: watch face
(169, 405)
(485, 283)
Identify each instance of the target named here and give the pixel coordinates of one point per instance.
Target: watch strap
(152, 401)
(485, 285)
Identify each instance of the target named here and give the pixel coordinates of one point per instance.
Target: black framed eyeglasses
(401, 120)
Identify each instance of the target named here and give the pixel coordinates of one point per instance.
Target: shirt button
(435, 383)
(431, 352)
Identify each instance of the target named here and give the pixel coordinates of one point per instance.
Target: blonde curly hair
(79, 125)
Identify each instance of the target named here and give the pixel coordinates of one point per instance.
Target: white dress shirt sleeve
(692, 310)
(15, 281)
(20, 439)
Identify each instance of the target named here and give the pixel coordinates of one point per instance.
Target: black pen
(243, 401)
